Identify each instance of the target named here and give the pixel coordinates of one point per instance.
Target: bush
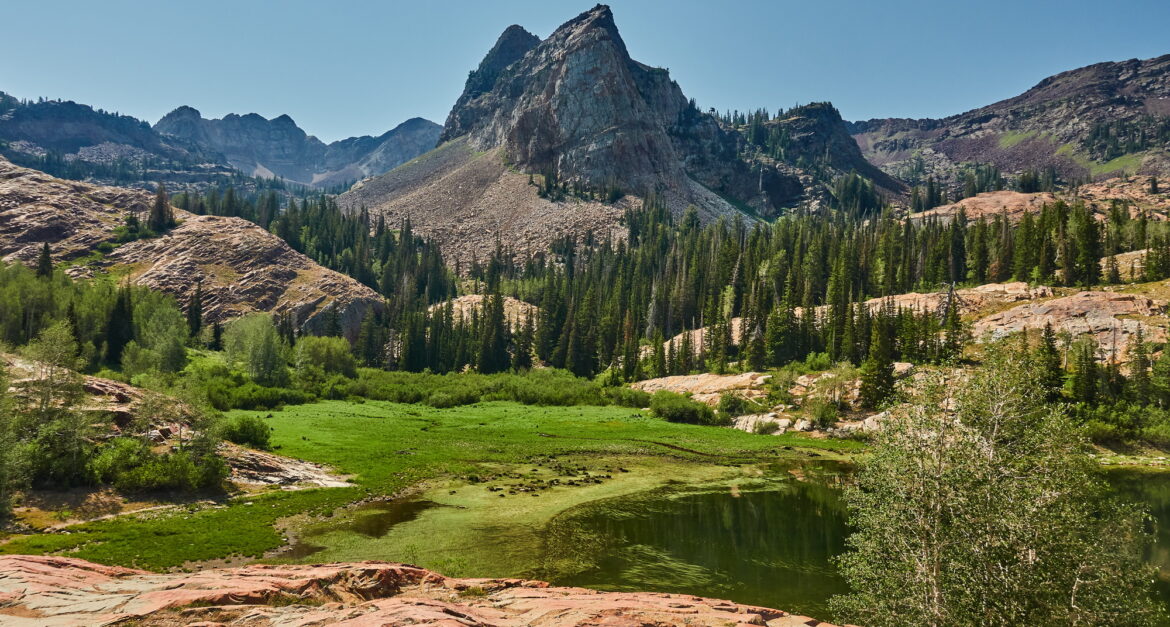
(248, 431)
(628, 397)
(766, 427)
(224, 394)
(821, 413)
(129, 465)
(535, 387)
(117, 457)
(678, 408)
(733, 405)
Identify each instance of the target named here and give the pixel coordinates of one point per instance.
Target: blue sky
(351, 68)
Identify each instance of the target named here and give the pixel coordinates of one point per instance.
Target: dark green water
(1151, 489)
(769, 542)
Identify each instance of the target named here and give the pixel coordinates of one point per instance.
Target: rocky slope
(242, 267)
(1131, 193)
(64, 591)
(575, 110)
(1089, 122)
(279, 148)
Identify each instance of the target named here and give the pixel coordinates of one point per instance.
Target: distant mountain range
(562, 135)
(184, 147)
(1096, 121)
(279, 148)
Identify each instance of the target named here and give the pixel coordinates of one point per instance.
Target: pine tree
(1139, 368)
(522, 359)
(162, 217)
(877, 373)
(1086, 376)
(195, 312)
(1047, 357)
(119, 327)
(45, 262)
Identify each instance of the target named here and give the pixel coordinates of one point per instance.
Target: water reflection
(765, 543)
(372, 520)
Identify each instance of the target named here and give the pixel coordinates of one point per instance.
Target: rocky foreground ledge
(62, 591)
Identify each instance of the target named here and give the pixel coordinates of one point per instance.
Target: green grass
(390, 447)
(1125, 163)
(1013, 138)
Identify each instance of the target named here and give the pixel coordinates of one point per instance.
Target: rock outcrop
(1055, 124)
(279, 148)
(708, 388)
(1110, 318)
(242, 267)
(1131, 194)
(65, 592)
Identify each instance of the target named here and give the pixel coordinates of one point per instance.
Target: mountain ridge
(1089, 122)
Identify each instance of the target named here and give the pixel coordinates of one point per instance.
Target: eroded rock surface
(1111, 318)
(65, 592)
(708, 388)
(242, 267)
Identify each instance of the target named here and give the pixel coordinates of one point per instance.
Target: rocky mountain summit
(1094, 121)
(279, 148)
(68, 592)
(242, 267)
(548, 134)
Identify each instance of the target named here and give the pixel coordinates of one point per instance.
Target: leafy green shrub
(223, 394)
(535, 387)
(129, 465)
(628, 397)
(678, 408)
(821, 413)
(733, 405)
(117, 457)
(441, 399)
(248, 430)
(766, 427)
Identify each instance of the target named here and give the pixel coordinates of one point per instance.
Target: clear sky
(353, 68)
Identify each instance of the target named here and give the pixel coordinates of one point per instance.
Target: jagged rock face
(577, 105)
(1048, 125)
(67, 592)
(242, 267)
(278, 147)
(574, 104)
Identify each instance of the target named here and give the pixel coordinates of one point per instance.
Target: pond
(768, 542)
(767, 537)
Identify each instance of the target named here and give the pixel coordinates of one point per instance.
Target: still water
(768, 542)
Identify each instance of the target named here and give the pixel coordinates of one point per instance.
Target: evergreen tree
(1086, 376)
(119, 327)
(162, 217)
(45, 262)
(195, 312)
(877, 373)
(1049, 370)
(1139, 368)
